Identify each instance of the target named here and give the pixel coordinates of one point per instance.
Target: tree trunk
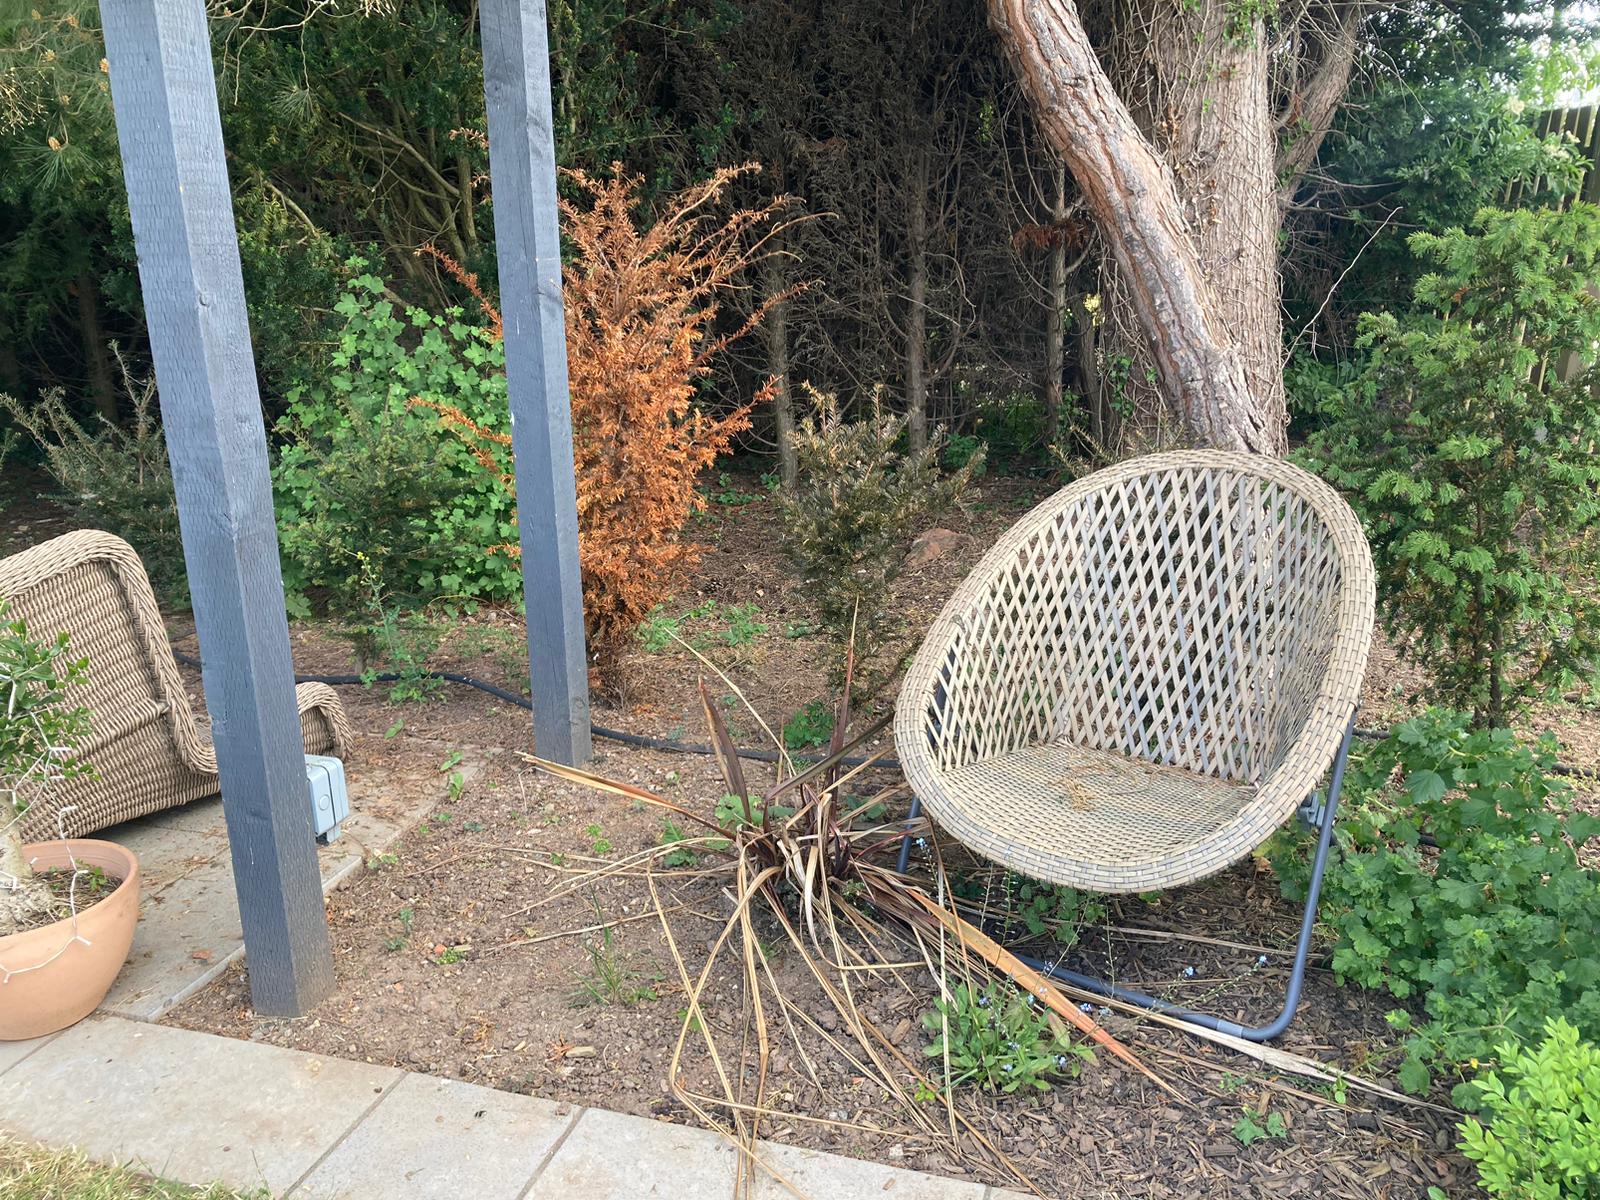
(24, 899)
(917, 302)
(1196, 79)
(1055, 334)
(469, 197)
(1134, 198)
(101, 389)
(775, 329)
(1089, 382)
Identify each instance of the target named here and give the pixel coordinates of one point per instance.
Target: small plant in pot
(68, 907)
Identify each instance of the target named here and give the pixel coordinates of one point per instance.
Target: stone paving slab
(197, 1108)
(612, 1155)
(814, 1173)
(189, 1106)
(12, 1053)
(438, 1139)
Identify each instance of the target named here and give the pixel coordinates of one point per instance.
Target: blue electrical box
(330, 800)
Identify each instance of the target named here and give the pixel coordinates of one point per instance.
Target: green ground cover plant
(995, 1038)
(1457, 890)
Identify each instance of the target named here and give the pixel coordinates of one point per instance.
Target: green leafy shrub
(1491, 929)
(959, 449)
(1543, 1137)
(858, 501)
(1015, 431)
(1467, 444)
(997, 1039)
(114, 477)
(811, 726)
(371, 493)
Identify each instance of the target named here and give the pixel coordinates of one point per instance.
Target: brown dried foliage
(642, 302)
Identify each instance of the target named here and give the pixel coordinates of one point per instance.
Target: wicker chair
(148, 749)
(1146, 677)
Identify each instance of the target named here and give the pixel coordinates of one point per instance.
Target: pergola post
(522, 165)
(170, 133)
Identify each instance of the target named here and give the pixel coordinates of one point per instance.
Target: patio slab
(610, 1154)
(11, 1053)
(189, 1106)
(196, 1107)
(438, 1139)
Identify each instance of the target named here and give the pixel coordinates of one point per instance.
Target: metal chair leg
(905, 842)
(1308, 924)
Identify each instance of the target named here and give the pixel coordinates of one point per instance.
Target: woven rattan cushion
(148, 750)
(1146, 675)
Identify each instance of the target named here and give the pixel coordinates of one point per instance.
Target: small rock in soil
(933, 545)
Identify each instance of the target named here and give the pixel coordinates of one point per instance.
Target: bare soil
(467, 951)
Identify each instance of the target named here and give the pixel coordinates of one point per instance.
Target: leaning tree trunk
(1134, 198)
(1195, 78)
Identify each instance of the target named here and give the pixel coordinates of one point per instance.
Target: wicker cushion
(1147, 674)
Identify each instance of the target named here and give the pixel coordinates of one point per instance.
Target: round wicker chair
(1147, 675)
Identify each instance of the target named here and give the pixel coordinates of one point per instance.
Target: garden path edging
(199, 1107)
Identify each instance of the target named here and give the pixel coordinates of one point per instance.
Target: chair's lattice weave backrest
(1183, 608)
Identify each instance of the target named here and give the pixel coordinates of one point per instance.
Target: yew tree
(1185, 130)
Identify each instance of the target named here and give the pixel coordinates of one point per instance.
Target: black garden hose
(654, 743)
(613, 735)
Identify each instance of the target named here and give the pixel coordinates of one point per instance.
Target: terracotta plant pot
(75, 977)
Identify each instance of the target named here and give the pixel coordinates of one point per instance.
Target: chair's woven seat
(1111, 815)
(1146, 675)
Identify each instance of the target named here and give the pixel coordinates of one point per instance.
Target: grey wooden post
(522, 166)
(170, 133)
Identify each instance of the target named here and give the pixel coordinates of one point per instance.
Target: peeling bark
(1134, 198)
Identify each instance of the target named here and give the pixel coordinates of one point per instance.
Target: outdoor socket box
(330, 800)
